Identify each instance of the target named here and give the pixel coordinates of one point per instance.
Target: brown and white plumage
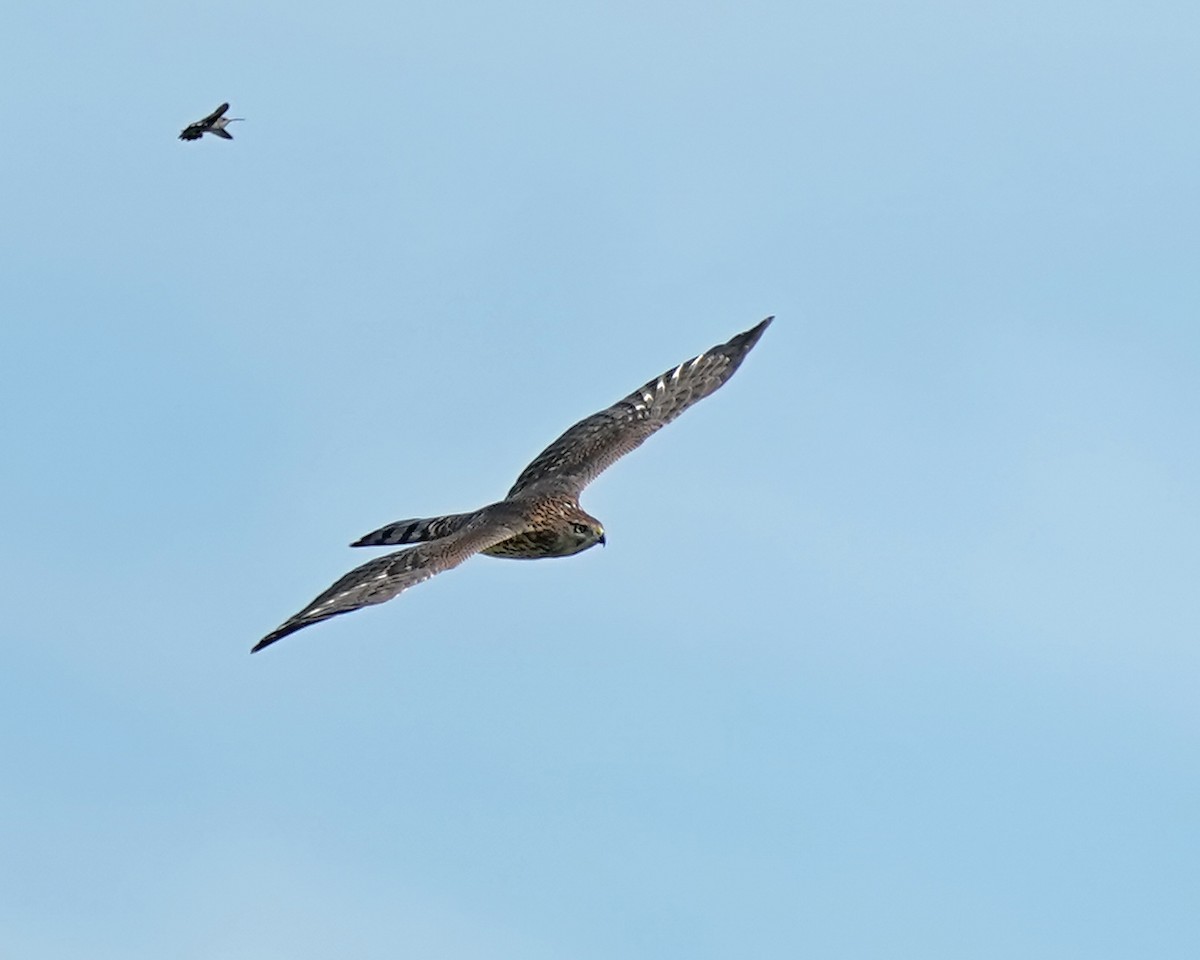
(385, 577)
(595, 443)
(541, 516)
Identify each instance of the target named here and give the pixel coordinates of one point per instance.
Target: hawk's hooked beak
(602, 541)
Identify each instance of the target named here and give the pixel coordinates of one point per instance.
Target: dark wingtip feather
(282, 631)
(737, 348)
(750, 337)
(269, 639)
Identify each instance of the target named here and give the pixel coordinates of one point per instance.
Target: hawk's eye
(580, 528)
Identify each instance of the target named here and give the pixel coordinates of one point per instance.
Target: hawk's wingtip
(269, 639)
(750, 337)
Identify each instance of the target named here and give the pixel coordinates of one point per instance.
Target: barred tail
(413, 531)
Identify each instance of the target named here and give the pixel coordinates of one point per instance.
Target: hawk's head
(581, 531)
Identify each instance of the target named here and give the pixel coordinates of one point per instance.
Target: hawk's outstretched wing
(576, 458)
(387, 576)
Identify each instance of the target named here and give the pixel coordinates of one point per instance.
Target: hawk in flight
(215, 123)
(541, 516)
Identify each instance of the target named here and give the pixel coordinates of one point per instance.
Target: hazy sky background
(893, 649)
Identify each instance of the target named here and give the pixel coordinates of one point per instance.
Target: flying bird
(541, 516)
(215, 123)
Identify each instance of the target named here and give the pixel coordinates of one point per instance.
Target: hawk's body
(541, 516)
(215, 123)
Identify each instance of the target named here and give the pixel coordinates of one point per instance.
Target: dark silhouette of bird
(215, 123)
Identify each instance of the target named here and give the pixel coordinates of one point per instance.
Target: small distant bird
(215, 123)
(541, 516)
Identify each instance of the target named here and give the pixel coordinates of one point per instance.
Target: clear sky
(892, 652)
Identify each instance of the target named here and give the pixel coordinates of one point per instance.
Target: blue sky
(892, 651)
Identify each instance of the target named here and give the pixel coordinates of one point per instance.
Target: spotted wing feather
(588, 448)
(385, 577)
